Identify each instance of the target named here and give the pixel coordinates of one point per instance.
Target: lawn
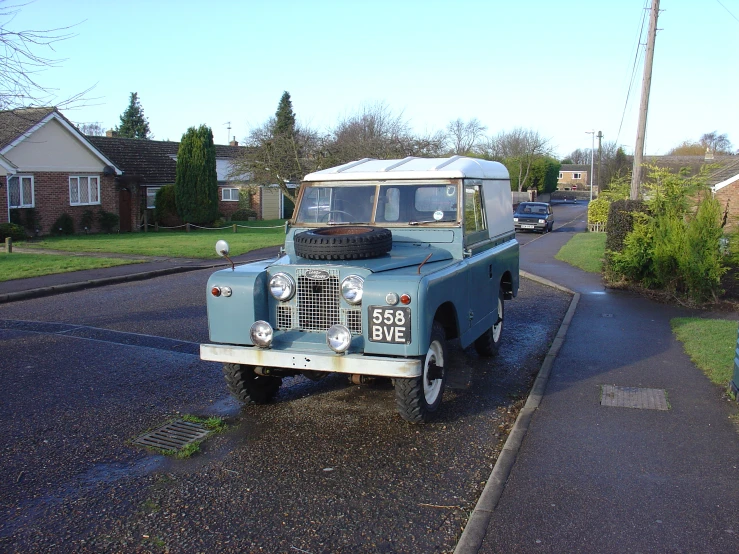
(584, 250)
(177, 244)
(710, 343)
(20, 266)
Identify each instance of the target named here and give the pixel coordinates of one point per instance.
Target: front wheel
(249, 387)
(418, 398)
(488, 343)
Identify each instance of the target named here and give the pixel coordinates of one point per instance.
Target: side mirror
(222, 248)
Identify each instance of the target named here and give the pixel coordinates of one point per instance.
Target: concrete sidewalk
(34, 287)
(594, 478)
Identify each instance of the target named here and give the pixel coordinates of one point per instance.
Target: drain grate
(632, 397)
(173, 436)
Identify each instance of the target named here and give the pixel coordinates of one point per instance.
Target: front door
(124, 210)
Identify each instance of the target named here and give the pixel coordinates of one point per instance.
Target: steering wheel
(327, 215)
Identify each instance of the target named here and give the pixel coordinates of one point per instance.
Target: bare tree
(718, 144)
(22, 59)
(519, 147)
(275, 158)
(464, 136)
(579, 156)
(93, 129)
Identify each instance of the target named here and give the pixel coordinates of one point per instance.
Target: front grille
(284, 317)
(353, 320)
(318, 301)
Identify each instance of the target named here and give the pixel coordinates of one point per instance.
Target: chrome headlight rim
(352, 289)
(339, 338)
(288, 290)
(261, 334)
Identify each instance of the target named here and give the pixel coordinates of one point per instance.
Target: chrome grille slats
(317, 300)
(352, 318)
(285, 317)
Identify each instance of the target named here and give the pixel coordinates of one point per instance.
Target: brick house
(148, 165)
(47, 168)
(573, 177)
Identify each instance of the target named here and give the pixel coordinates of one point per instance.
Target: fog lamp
(338, 338)
(261, 334)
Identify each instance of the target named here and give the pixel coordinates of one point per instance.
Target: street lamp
(592, 160)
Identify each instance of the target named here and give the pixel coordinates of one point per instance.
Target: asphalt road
(330, 467)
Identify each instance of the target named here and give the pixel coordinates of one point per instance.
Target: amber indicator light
(215, 291)
(405, 298)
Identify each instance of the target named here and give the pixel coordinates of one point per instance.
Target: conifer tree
(196, 183)
(133, 123)
(285, 117)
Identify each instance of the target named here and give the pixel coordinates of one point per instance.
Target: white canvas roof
(411, 167)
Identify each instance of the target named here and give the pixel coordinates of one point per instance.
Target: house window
(229, 194)
(577, 175)
(560, 175)
(20, 191)
(84, 191)
(151, 197)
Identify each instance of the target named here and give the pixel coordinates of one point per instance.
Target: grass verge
(21, 266)
(710, 343)
(584, 250)
(178, 244)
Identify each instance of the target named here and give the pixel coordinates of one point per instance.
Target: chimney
(110, 133)
(234, 142)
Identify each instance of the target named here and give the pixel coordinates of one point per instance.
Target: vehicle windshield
(531, 209)
(384, 204)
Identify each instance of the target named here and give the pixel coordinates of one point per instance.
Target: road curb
(80, 285)
(477, 525)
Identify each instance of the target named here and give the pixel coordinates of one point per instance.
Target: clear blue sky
(561, 68)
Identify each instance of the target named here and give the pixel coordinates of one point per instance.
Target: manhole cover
(632, 397)
(173, 436)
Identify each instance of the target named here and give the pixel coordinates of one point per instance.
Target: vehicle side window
(432, 199)
(474, 215)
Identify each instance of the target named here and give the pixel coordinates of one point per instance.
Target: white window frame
(231, 194)
(561, 175)
(577, 175)
(76, 180)
(23, 201)
(151, 194)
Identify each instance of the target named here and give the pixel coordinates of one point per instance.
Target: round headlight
(282, 286)
(352, 288)
(261, 334)
(338, 338)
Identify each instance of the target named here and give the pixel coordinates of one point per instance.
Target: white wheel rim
(431, 388)
(498, 327)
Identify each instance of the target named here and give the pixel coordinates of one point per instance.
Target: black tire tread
(313, 245)
(248, 387)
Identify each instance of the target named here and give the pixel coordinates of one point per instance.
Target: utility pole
(646, 84)
(592, 157)
(600, 158)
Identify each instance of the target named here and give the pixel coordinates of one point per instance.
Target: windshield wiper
(432, 221)
(347, 223)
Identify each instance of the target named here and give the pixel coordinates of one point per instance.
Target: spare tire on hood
(343, 243)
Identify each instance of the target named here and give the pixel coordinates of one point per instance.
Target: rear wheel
(418, 398)
(488, 343)
(249, 387)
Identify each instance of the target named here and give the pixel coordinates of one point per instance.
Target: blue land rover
(384, 261)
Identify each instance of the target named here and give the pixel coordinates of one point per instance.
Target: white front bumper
(355, 364)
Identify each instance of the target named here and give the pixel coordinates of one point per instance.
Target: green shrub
(87, 219)
(598, 211)
(166, 205)
(64, 225)
(16, 216)
(621, 222)
(243, 214)
(31, 219)
(107, 220)
(12, 230)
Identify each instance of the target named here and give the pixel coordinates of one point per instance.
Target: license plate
(389, 324)
(527, 226)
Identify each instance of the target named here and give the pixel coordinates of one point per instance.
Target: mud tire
(488, 343)
(248, 387)
(415, 402)
(343, 243)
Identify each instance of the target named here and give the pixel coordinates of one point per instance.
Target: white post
(592, 160)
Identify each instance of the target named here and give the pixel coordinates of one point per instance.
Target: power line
(633, 69)
(727, 9)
